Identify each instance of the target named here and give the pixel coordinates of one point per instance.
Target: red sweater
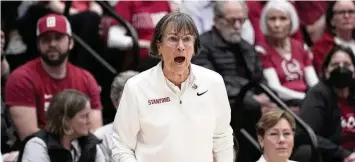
(320, 49)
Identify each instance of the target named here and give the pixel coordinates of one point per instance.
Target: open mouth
(179, 59)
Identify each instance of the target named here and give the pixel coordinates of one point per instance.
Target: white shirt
(104, 134)
(350, 43)
(262, 159)
(154, 124)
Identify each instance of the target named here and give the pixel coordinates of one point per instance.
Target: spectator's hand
(350, 158)
(262, 99)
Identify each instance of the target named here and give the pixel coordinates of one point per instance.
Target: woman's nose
(281, 139)
(180, 45)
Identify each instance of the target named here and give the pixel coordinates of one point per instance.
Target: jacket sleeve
(126, 126)
(313, 112)
(223, 134)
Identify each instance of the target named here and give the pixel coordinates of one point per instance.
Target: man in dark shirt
(224, 51)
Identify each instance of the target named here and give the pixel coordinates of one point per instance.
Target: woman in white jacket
(175, 111)
(275, 131)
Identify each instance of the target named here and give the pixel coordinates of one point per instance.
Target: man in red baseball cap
(56, 28)
(30, 87)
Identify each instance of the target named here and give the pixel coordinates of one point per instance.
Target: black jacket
(57, 153)
(321, 112)
(218, 55)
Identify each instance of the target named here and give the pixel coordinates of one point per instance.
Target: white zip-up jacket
(157, 123)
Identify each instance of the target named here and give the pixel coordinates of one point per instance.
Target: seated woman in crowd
(329, 107)
(275, 131)
(340, 21)
(287, 66)
(66, 136)
(104, 133)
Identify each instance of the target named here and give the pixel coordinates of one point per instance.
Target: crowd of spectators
(302, 50)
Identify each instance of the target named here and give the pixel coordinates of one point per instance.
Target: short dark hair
(64, 106)
(182, 22)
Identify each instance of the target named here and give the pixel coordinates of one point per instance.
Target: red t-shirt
(144, 16)
(290, 72)
(320, 49)
(254, 13)
(348, 124)
(30, 85)
(310, 11)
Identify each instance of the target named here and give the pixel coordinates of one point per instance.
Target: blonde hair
(64, 106)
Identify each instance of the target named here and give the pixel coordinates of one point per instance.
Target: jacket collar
(158, 70)
(54, 141)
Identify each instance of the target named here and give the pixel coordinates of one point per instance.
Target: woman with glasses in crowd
(275, 131)
(175, 111)
(340, 25)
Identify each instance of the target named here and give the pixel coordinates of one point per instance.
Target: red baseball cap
(53, 22)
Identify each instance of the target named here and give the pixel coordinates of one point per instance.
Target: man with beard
(224, 51)
(30, 88)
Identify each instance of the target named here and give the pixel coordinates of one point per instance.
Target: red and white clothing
(348, 124)
(144, 16)
(30, 85)
(321, 48)
(289, 74)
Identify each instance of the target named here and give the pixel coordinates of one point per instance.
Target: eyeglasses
(174, 39)
(344, 12)
(277, 135)
(232, 21)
